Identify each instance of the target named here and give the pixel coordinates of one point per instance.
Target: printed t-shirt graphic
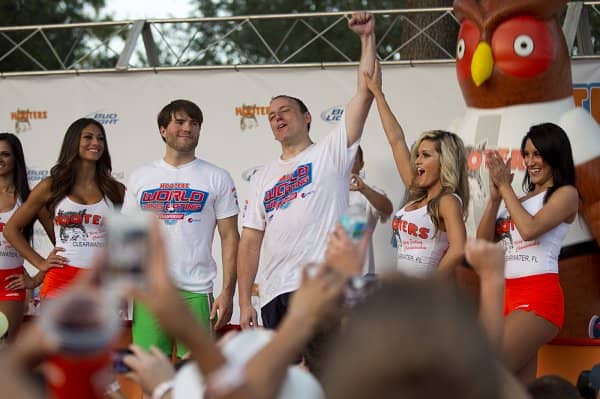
(527, 258)
(173, 201)
(288, 188)
(419, 247)
(296, 203)
(79, 229)
(188, 199)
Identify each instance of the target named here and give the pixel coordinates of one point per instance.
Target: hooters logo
(248, 113)
(504, 227)
(23, 118)
(399, 225)
(72, 224)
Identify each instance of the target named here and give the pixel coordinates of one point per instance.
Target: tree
(70, 44)
(244, 46)
(444, 32)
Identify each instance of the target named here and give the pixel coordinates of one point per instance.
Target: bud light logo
(105, 118)
(35, 175)
(333, 114)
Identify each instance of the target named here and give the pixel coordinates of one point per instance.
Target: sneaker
(594, 327)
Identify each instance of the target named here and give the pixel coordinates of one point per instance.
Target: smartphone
(118, 365)
(127, 247)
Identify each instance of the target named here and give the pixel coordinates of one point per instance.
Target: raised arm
(363, 24)
(312, 304)
(378, 200)
(561, 207)
(487, 260)
(451, 213)
(248, 255)
(230, 238)
(392, 128)
(25, 214)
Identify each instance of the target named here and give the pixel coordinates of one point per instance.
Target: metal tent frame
(178, 44)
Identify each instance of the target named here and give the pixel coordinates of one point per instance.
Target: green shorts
(147, 332)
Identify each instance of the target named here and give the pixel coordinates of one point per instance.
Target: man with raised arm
(296, 199)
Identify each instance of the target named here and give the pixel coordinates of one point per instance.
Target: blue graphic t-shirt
(189, 200)
(296, 202)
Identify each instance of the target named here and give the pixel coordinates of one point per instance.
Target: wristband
(161, 389)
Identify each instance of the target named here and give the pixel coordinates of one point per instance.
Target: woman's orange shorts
(541, 294)
(57, 279)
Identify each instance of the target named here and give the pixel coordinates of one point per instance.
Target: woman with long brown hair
(14, 190)
(532, 228)
(75, 199)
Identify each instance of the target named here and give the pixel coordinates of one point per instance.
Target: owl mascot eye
(514, 71)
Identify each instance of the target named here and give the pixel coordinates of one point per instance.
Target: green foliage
(291, 41)
(70, 44)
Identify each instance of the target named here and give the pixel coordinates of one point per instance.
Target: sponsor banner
(235, 134)
(104, 117)
(24, 117)
(333, 115)
(35, 175)
(249, 115)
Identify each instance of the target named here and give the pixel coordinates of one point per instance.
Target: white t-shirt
(79, 229)
(296, 202)
(189, 200)
(528, 258)
(373, 216)
(419, 249)
(9, 256)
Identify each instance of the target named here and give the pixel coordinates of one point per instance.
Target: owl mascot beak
(482, 64)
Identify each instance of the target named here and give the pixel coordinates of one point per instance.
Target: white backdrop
(40, 108)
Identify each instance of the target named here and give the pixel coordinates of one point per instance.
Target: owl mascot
(514, 71)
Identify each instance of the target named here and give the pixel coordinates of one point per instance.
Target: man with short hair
(296, 199)
(190, 197)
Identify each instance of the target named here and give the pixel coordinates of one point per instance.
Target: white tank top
(528, 258)
(419, 251)
(9, 257)
(79, 229)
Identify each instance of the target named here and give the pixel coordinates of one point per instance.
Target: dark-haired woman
(14, 190)
(76, 197)
(532, 229)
